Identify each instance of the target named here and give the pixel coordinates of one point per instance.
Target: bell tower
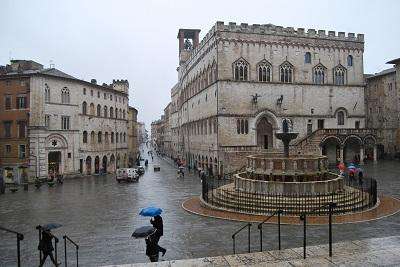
(188, 40)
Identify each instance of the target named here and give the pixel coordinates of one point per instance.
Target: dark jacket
(151, 246)
(157, 223)
(45, 243)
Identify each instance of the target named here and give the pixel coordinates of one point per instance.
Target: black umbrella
(143, 231)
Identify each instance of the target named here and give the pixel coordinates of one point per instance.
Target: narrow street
(100, 215)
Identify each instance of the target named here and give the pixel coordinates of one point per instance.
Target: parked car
(127, 175)
(140, 170)
(156, 168)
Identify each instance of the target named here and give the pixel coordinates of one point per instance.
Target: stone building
(142, 133)
(237, 85)
(133, 147)
(75, 127)
(383, 107)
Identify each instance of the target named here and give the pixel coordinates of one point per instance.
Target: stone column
(375, 154)
(341, 157)
(361, 155)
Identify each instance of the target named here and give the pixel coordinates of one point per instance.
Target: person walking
(46, 246)
(157, 223)
(152, 248)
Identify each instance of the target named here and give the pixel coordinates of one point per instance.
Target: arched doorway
(54, 160)
(265, 134)
(369, 146)
(112, 162)
(96, 164)
(88, 165)
(351, 149)
(331, 148)
(104, 164)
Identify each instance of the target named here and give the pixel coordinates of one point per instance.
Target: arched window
(112, 137)
(246, 126)
(264, 71)
(120, 137)
(286, 72)
(98, 110)
(111, 112)
(84, 137)
(106, 137)
(123, 113)
(105, 113)
(319, 74)
(240, 70)
(242, 126)
(65, 95)
(46, 93)
(339, 75)
(120, 113)
(116, 137)
(84, 108)
(340, 118)
(116, 113)
(124, 137)
(238, 126)
(307, 58)
(349, 60)
(92, 137)
(91, 107)
(99, 137)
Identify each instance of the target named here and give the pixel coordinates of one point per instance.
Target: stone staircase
(227, 198)
(384, 251)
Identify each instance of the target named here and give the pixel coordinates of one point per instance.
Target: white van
(127, 175)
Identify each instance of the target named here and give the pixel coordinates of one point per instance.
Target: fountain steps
(245, 204)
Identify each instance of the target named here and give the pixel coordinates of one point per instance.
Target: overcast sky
(136, 40)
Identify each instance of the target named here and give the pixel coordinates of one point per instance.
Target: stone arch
(88, 164)
(112, 162)
(265, 125)
(56, 141)
(96, 164)
(330, 147)
(104, 164)
(351, 148)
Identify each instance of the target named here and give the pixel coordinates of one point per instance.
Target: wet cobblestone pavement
(100, 215)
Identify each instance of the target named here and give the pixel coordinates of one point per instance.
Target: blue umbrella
(150, 212)
(352, 167)
(50, 226)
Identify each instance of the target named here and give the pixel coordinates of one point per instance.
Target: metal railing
(248, 236)
(65, 250)
(19, 238)
(303, 217)
(40, 229)
(221, 193)
(277, 212)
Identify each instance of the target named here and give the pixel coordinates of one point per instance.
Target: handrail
(238, 231)
(19, 238)
(279, 212)
(65, 249)
(303, 217)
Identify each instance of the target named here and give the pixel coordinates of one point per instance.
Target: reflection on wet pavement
(100, 215)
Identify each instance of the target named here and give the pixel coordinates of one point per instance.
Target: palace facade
(237, 85)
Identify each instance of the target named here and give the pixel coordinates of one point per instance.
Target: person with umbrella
(157, 223)
(46, 244)
(152, 247)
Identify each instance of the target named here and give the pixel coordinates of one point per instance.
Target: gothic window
(339, 75)
(105, 112)
(319, 74)
(242, 126)
(91, 107)
(124, 137)
(112, 137)
(84, 137)
(246, 126)
(92, 137)
(99, 137)
(111, 112)
(65, 95)
(120, 137)
(98, 110)
(307, 58)
(106, 137)
(349, 60)
(116, 137)
(240, 70)
(340, 118)
(264, 71)
(84, 91)
(84, 108)
(123, 114)
(286, 73)
(46, 93)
